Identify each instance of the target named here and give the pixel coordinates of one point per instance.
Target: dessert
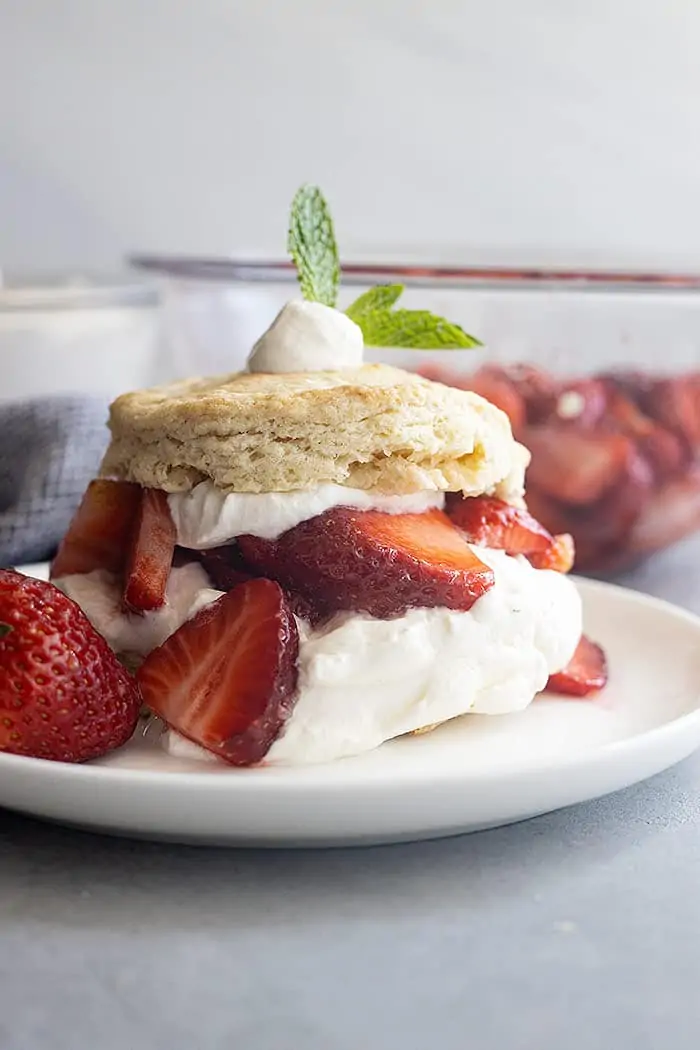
(309, 558)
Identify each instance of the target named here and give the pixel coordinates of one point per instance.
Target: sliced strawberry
(634, 385)
(559, 556)
(314, 612)
(151, 554)
(662, 448)
(665, 452)
(601, 528)
(538, 389)
(625, 413)
(586, 672)
(675, 403)
(494, 523)
(368, 561)
(227, 678)
(225, 567)
(100, 532)
(574, 466)
(671, 513)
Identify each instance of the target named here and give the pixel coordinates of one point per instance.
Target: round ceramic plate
(474, 772)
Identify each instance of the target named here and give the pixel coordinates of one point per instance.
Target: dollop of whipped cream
(99, 595)
(207, 517)
(308, 337)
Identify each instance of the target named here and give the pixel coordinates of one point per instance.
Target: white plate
(475, 772)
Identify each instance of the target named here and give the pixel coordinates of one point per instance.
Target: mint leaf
(412, 329)
(5, 628)
(382, 297)
(312, 247)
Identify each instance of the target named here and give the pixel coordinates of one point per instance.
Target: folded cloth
(50, 448)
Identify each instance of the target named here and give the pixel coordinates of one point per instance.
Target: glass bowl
(599, 372)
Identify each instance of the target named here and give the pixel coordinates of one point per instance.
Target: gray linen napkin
(50, 448)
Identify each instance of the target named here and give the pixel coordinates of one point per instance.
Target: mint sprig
(381, 297)
(312, 246)
(408, 329)
(413, 330)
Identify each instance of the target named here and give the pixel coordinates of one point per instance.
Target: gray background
(578, 930)
(502, 132)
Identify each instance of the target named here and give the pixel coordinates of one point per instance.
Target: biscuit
(374, 427)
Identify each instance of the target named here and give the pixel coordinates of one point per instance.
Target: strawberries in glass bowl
(615, 456)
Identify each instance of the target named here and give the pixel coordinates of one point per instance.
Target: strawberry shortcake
(314, 556)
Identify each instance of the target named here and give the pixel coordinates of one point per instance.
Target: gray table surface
(577, 930)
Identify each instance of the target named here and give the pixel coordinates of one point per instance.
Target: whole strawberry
(63, 693)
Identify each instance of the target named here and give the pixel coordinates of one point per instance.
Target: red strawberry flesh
(227, 679)
(64, 695)
(559, 556)
(151, 554)
(494, 523)
(100, 532)
(675, 404)
(225, 567)
(372, 562)
(573, 466)
(586, 672)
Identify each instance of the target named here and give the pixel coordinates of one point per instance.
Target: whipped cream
(99, 595)
(363, 681)
(208, 517)
(308, 337)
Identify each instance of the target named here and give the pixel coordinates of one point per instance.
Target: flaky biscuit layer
(374, 427)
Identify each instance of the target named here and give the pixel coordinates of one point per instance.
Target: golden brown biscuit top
(370, 427)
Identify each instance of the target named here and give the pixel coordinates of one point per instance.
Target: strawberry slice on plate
(227, 678)
(100, 532)
(372, 562)
(151, 555)
(586, 672)
(494, 523)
